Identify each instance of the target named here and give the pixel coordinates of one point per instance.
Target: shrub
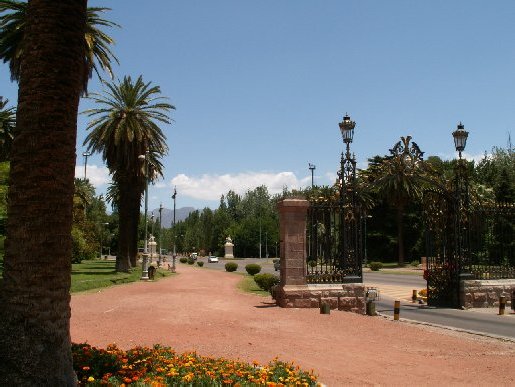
(183, 260)
(312, 263)
(253, 268)
(200, 263)
(265, 280)
(231, 266)
(191, 261)
(375, 266)
(415, 263)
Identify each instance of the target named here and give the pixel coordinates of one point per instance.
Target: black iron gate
(335, 241)
(442, 250)
(476, 241)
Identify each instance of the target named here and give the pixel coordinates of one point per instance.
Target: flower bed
(161, 366)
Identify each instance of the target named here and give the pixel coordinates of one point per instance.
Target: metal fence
(335, 242)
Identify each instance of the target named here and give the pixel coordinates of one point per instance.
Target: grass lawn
(95, 274)
(248, 285)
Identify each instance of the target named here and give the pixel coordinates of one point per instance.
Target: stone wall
(485, 293)
(346, 297)
(293, 290)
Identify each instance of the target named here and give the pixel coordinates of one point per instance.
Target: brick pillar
(292, 229)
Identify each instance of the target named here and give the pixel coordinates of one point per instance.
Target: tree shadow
(266, 305)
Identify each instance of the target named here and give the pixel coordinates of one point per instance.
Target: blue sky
(260, 86)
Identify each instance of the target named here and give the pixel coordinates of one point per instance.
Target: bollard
(371, 308)
(396, 309)
(502, 305)
(325, 308)
(414, 296)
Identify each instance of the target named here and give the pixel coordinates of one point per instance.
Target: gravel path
(202, 310)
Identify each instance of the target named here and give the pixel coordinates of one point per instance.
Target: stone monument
(229, 247)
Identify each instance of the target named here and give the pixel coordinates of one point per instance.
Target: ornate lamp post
(144, 267)
(350, 252)
(461, 209)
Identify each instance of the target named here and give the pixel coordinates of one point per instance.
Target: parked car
(194, 256)
(212, 259)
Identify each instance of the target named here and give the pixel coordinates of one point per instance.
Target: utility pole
(174, 236)
(312, 168)
(160, 233)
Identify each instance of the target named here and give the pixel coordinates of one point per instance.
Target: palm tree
(12, 47)
(399, 179)
(35, 345)
(7, 125)
(124, 127)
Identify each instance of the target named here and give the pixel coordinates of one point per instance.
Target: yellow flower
(91, 379)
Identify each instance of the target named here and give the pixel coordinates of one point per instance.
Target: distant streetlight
(86, 155)
(144, 268)
(160, 232)
(312, 168)
(174, 236)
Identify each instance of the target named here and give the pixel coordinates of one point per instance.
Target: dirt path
(201, 310)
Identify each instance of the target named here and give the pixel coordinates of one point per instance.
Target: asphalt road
(488, 322)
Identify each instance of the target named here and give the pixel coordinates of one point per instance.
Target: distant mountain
(180, 214)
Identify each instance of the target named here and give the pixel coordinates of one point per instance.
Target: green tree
(7, 126)
(35, 347)
(124, 127)
(13, 26)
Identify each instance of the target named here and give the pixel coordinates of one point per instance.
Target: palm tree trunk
(35, 344)
(122, 259)
(400, 233)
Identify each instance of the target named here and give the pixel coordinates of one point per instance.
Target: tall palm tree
(7, 125)
(399, 180)
(124, 127)
(97, 43)
(35, 345)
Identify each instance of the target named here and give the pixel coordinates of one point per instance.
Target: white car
(212, 259)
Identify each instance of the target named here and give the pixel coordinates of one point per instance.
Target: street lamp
(460, 136)
(174, 236)
(350, 234)
(312, 168)
(144, 268)
(461, 209)
(86, 155)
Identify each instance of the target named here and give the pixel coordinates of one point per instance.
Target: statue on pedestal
(229, 248)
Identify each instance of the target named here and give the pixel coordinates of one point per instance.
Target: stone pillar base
(345, 297)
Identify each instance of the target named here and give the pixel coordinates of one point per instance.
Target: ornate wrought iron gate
(335, 242)
(442, 250)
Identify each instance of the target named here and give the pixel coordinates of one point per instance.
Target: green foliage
(266, 280)
(183, 260)
(231, 266)
(415, 263)
(191, 261)
(200, 263)
(97, 53)
(375, 266)
(253, 268)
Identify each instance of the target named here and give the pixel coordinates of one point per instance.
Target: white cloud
(212, 187)
(96, 175)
